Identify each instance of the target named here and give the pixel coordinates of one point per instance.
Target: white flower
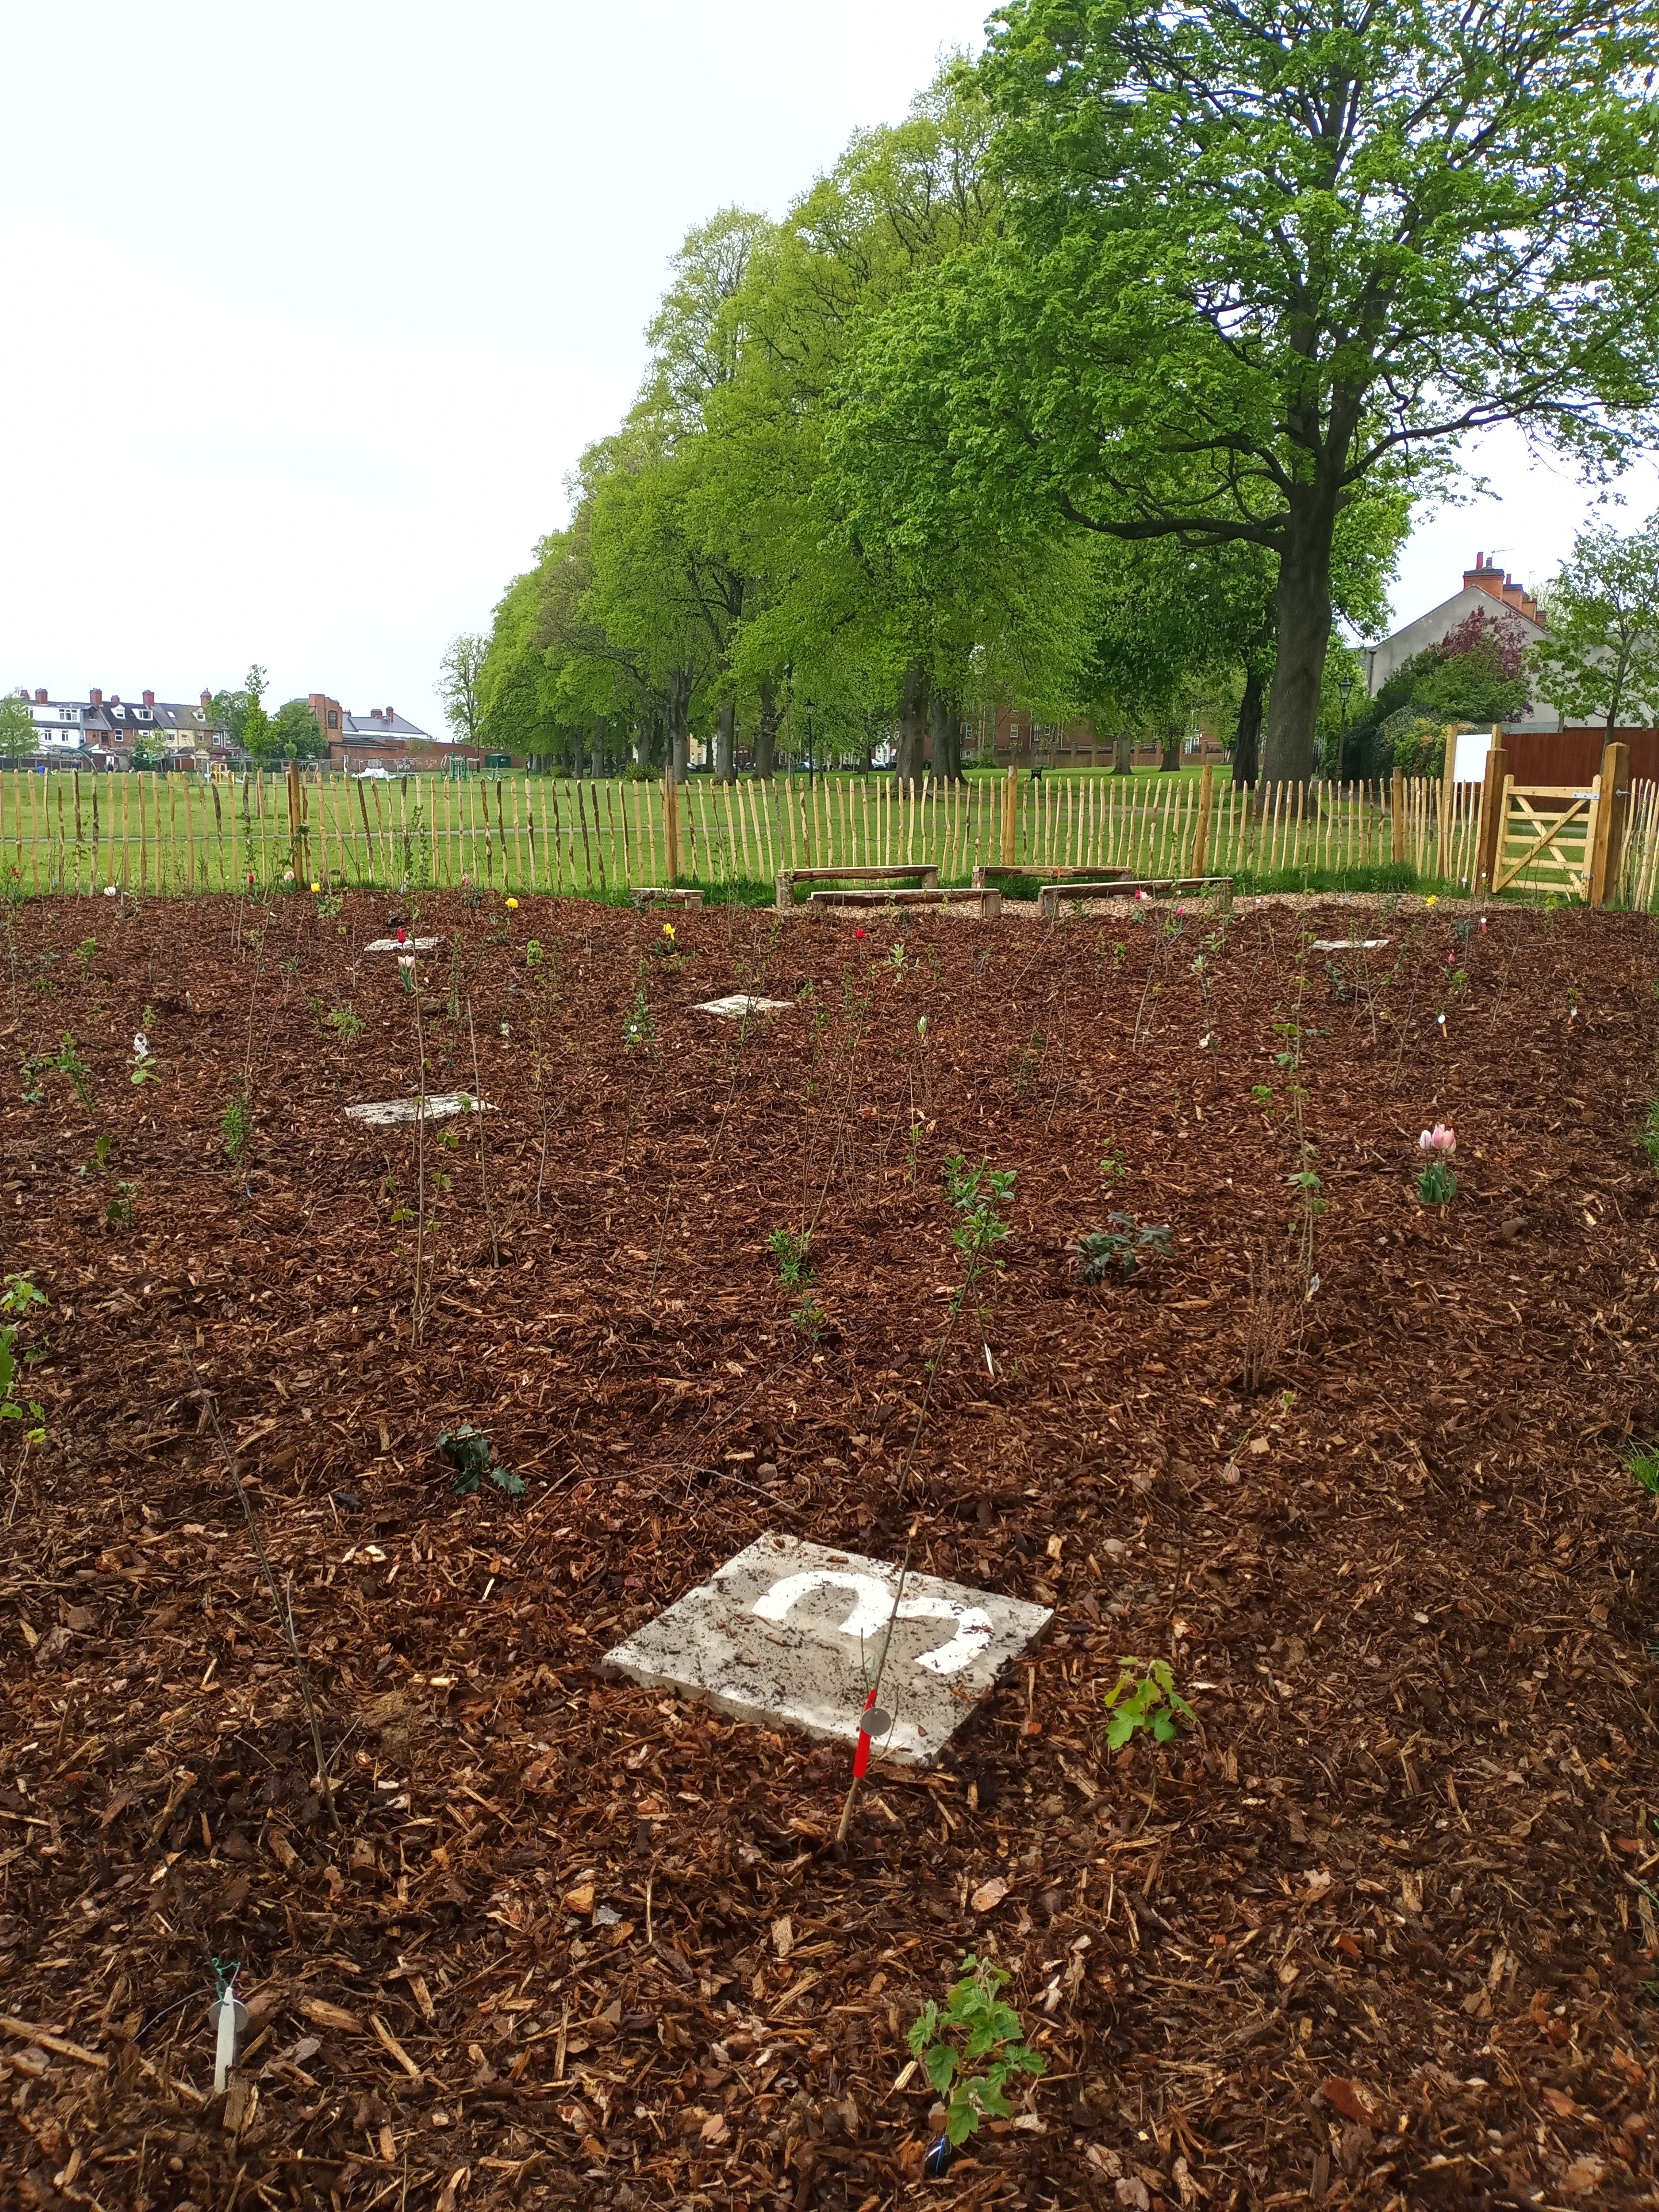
(141, 1046)
(109, 891)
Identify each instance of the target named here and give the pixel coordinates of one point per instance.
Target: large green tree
(19, 738)
(1255, 257)
(1599, 660)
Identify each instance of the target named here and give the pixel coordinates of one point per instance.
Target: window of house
(333, 720)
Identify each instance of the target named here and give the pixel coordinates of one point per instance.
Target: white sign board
(1469, 761)
(793, 1633)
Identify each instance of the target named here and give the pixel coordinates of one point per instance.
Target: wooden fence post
(1200, 852)
(1398, 848)
(296, 821)
(1491, 819)
(1448, 802)
(671, 826)
(1607, 852)
(1010, 816)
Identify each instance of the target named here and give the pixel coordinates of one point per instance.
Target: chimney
(391, 714)
(39, 698)
(97, 697)
(1485, 576)
(207, 702)
(374, 714)
(149, 698)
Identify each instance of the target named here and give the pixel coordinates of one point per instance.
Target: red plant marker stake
(861, 1755)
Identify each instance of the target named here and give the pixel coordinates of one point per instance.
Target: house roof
(381, 724)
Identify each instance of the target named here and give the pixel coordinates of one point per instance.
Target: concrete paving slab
(792, 1632)
(394, 1113)
(732, 1009)
(1349, 943)
(408, 944)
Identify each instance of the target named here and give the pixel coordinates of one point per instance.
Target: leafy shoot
(973, 2030)
(1144, 1697)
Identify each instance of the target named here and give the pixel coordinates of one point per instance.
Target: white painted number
(870, 1614)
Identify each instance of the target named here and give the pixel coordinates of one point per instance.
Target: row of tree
(1102, 384)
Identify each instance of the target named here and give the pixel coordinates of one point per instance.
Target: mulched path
(1378, 1930)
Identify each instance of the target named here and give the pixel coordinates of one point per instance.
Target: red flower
(858, 933)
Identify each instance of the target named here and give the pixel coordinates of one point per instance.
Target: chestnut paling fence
(73, 832)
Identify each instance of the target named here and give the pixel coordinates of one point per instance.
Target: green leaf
(940, 2065)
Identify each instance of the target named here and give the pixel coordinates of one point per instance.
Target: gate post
(1010, 804)
(1491, 819)
(1606, 852)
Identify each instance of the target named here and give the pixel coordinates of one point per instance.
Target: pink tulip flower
(1440, 1138)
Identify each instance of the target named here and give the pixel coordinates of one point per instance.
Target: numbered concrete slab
(740, 1003)
(394, 1113)
(792, 1632)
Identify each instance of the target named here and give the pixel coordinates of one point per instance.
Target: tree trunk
(946, 729)
(679, 728)
(1123, 751)
(766, 736)
(1169, 747)
(725, 742)
(599, 745)
(1247, 743)
(1301, 605)
(912, 724)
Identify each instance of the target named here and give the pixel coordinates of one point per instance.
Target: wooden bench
(1050, 898)
(660, 895)
(995, 873)
(924, 873)
(988, 900)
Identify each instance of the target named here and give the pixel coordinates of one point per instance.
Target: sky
(312, 310)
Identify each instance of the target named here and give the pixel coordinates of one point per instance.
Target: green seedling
(102, 1147)
(65, 1061)
(344, 1023)
(20, 1296)
(1144, 1697)
(236, 1127)
(808, 1318)
(141, 1068)
(1100, 1250)
(1112, 1169)
(639, 1030)
(971, 2047)
(121, 1212)
(979, 1195)
(86, 952)
(469, 1451)
(790, 1253)
(1642, 1463)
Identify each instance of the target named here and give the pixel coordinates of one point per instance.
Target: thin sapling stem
(284, 1615)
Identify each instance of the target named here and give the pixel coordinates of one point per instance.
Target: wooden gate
(1558, 837)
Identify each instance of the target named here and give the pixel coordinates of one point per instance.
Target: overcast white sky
(311, 310)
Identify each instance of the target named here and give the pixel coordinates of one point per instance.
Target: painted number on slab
(874, 1605)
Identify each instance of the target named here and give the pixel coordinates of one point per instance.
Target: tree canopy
(1107, 378)
(1599, 660)
(1259, 262)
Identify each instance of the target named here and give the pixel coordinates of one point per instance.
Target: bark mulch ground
(1378, 1930)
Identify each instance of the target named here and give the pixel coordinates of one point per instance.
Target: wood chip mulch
(1378, 1930)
